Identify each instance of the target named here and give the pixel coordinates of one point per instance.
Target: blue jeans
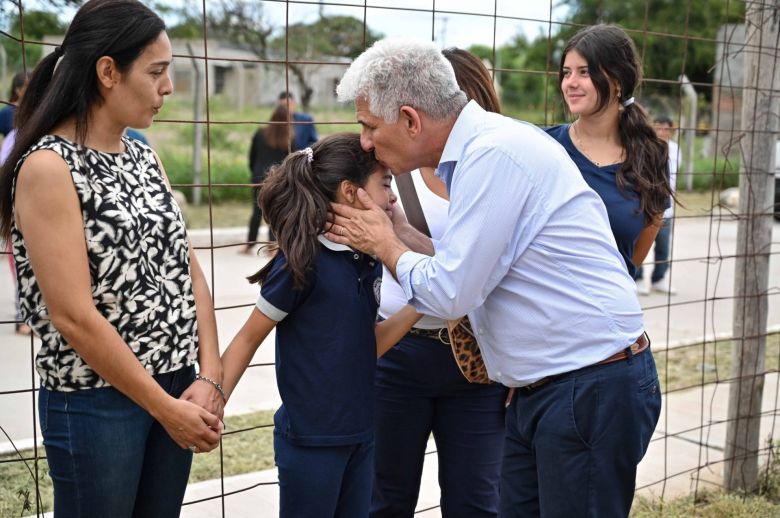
(662, 247)
(573, 444)
(323, 481)
(108, 457)
(419, 390)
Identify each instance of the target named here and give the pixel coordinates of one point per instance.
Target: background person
(303, 123)
(107, 278)
(269, 147)
(659, 280)
(420, 389)
(529, 256)
(7, 128)
(611, 141)
(7, 112)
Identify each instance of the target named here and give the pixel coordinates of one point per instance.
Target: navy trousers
(419, 391)
(573, 444)
(323, 481)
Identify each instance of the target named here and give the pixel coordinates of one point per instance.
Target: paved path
(684, 317)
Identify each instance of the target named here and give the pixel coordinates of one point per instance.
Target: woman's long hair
(295, 197)
(64, 84)
(473, 78)
(611, 56)
(278, 134)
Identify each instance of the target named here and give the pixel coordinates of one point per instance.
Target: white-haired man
(528, 254)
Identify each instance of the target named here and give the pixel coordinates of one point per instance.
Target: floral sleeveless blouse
(138, 263)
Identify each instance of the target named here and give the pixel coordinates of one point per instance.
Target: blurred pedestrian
(303, 123)
(660, 280)
(269, 147)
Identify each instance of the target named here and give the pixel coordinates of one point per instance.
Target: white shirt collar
(330, 245)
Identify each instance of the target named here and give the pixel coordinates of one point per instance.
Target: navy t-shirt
(325, 346)
(625, 218)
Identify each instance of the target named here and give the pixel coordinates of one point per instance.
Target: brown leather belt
(440, 335)
(637, 347)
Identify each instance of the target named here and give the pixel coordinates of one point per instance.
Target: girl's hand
(190, 426)
(206, 396)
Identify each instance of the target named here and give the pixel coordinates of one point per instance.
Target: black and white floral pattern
(138, 262)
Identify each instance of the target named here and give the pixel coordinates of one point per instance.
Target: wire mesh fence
(717, 328)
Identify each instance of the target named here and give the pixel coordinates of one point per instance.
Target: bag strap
(412, 207)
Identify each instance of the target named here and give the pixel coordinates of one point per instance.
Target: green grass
(689, 366)
(762, 503)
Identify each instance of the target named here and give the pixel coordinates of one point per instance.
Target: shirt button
(356, 256)
(480, 330)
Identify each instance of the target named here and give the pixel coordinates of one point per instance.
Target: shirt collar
(330, 245)
(462, 131)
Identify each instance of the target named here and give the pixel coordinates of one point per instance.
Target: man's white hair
(403, 72)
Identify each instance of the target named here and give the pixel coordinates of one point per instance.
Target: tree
(36, 25)
(670, 53)
(329, 36)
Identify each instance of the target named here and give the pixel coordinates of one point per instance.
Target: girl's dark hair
(612, 59)
(278, 135)
(18, 81)
(473, 78)
(120, 29)
(296, 195)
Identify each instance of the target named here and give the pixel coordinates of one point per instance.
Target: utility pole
(197, 144)
(760, 113)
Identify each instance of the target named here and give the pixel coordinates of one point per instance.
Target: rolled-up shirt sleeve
(492, 219)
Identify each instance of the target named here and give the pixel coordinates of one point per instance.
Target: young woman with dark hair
(107, 277)
(322, 298)
(269, 147)
(419, 388)
(611, 141)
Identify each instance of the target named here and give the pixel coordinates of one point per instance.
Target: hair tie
(58, 52)
(628, 102)
(309, 154)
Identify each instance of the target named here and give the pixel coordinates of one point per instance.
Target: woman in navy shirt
(322, 298)
(612, 141)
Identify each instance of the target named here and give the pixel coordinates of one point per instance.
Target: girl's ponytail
(26, 135)
(293, 204)
(295, 197)
(646, 165)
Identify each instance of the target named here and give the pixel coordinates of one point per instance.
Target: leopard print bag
(464, 344)
(466, 350)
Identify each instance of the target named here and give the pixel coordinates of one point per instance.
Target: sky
(458, 23)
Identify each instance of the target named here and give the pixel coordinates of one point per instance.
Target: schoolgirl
(322, 298)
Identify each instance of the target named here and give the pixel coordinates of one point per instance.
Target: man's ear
(411, 120)
(348, 191)
(107, 73)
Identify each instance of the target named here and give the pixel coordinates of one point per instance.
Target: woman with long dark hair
(107, 278)
(419, 388)
(269, 147)
(611, 140)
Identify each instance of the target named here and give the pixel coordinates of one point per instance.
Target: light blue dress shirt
(528, 254)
